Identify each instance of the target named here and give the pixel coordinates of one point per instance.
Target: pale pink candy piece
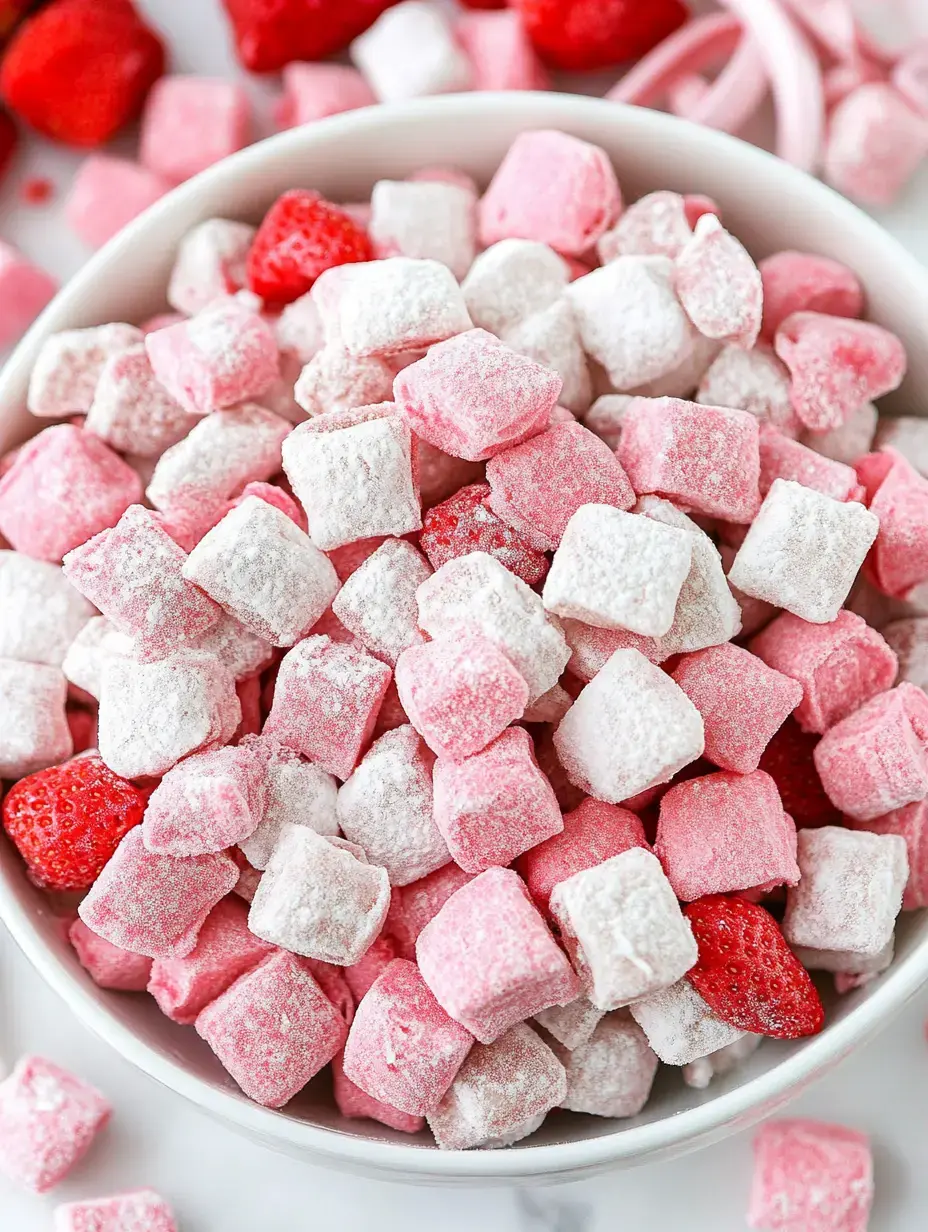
(35, 732)
(553, 188)
(604, 418)
(132, 412)
(571, 1025)
(386, 808)
(189, 123)
(64, 486)
(909, 822)
(107, 194)
(411, 51)
(489, 958)
(295, 792)
(811, 1177)
(207, 803)
(656, 225)
(320, 898)
(333, 380)
(96, 643)
(631, 728)
(413, 906)
(750, 380)
(500, 52)
(68, 367)
(210, 263)
(315, 91)
(742, 700)
(361, 975)
(512, 281)
(378, 602)
(108, 965)
(876, 140)
(908, 639)
(899, 498)
(154, 714)
(840, 666)
(356, 1104)
(610, 1075)
(133, 574)
(274, 1029)
(40, 612)
(719, 285)
(299, 327)
(591, 648)
(242, 652)
(225, 355)
(783, 458)
(680, 1026)
(804, 282)
(459, 695)
(264, 571)
(24, 291)
(699, 1073)
(48, 1121)
(225, 949)
(142, 1210)
(631, 320)
(425, 220)
(152, 904)
(725, 832)
(910, 76)
(850, 441)
(551, 338)
(403, 1049)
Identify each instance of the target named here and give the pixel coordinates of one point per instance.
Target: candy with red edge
(609, 1075)
(899, 498)
(511, 281)
(875, 142)
(378, 601)
(465, 523)
(680, 1026)
(142, 1210)
(40, 611)
(592, 648)
(719, 285)
(24, 291)
(106, 194)
(333, 380)
(356, 1104)
(210, 264)
(425, 220)
(131, 411)
(500, 53)
(411, 51)
(106, 964)
(805, 282)
(583, 34)
(68, 367)
(789, 760)
(189, 123)
(35, 728)
(315, 91)
(782, 458)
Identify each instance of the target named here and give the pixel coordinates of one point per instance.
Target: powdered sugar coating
(378, 602)
(512, 281)
(899, 498)
(296, 792)
(355, 1104)
(592, 648)
(34, 733)
(96, 643)
(719, 285)
(911, 823)
(426, 220)
(243, 652)
(571, 1025)
(106, 964)
(656, 225)
(609, 1075)
(750, 380)
(131, 411)
(410, 51)
(142, 1210)
(68, 367)
(551, 338)
(210, 263)
(679, 1025)
(782, 458)
(806, 282)
(334, 380)
(208, 802)
(699, 1073)
(40, 612)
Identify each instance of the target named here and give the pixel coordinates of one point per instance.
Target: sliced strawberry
(589, 34)
(464, 524)
(788, 760)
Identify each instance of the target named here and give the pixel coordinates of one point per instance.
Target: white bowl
(767, 204)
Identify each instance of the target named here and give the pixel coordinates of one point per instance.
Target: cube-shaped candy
(34, 732)
(403, 1049)
(225, 355)
(782, 458)
(48, 1120)
(315, 91)
(225, 949)
(803, 551)
(703, 457)
(725, 832)
(334, 380)
(490, 959)
(107, 194)
(655, 225)
(572, 1024)
(155, 905)
(806, 282)
(386, 808)
(876, 759)
(40, 611)
(319, 899)
(64, 486)
(464, 523)
(500, 52)
(210, 264)
(552, 188)
(719, 285)
(473, 397)
(512, 281)
(849, 442)
(631, 728)
(296, 792)
(699, 1073)
(355, 1104)
(910, 822)
(131, 411)
(811, 1177)
(609, 1075)
(413, 906)
(410, 51)
(69, 364)
(189, 123)
(742, 700)
(459, 695)
(592, 648)
(623, 926)
(840, 666)
(274, 1029)
(106, 964)
(263, 570)
(476, 595)
(680, 1026)
(427, 220)
(24, 291)
(244, 653)
(207, 802)
(326, 702)
(754, 381)
(378, 602)
(495, 805)
(142, 1210)
(133, 574)
(899, 498)
(93, 647)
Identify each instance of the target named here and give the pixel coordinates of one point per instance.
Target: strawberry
(747, 974)
(80, 69)
(66, 822)
(301, 236)
(589, 34)
(9, 139)
(788, 761)
(464, 524)
(272, 33)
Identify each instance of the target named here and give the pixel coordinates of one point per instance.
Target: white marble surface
(222, 1183)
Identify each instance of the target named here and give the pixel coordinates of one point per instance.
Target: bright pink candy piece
(225, 355)
(899, 498)
(152, 904)
(24, 291)
(875, 142)
(140, 1211)
(804, 282)
(811, 1177)
(106, 964)
(206, 803)
(473, 397)
(536, 487)
(362, 974)
(356, 1104)
(553, 188)
(48, 1119)
(706, 458)
(190, 123)
(782, 458)
(719, 285)
(314, 91)
(725, 832)
(489, 958)
(106, 194)
(131, 411)
(326, 702)
(225, 949)
(459, 695)
(403, 1049)
(840, 666)
(592, 648)
(274, 1029)
(500, 52)
(64, 486)
(743, 703)
(496, 804)
(413, 906)
(910, 823)
(836, 365)
(592, 833)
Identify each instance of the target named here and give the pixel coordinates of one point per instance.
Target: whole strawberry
(747, 974)
(589, 34)
(464, 524)
(67, 821)
(272, 33)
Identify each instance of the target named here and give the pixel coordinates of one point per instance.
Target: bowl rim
(711, 1120)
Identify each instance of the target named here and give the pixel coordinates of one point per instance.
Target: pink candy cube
(107, 194)
(782, 458)
(378, 602)
(48, 1120)
(489, 958)
(876, 140)
(273, 1029)
(899, 498)
(719, 285)
(754, 381)
(209, 265)
(500, 52)
(805, 282)
(361, 975)
(24, 291)
(333, 380)
(106, 964)
(413, 906)
(131, 411)
(206, 803)
(139, 1211)
(34, 732)
(314, 91)
(190, 123)
(611, 1073)
(656, 225)
(356, 1104)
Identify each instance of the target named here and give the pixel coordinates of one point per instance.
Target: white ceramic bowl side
(766, 203)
